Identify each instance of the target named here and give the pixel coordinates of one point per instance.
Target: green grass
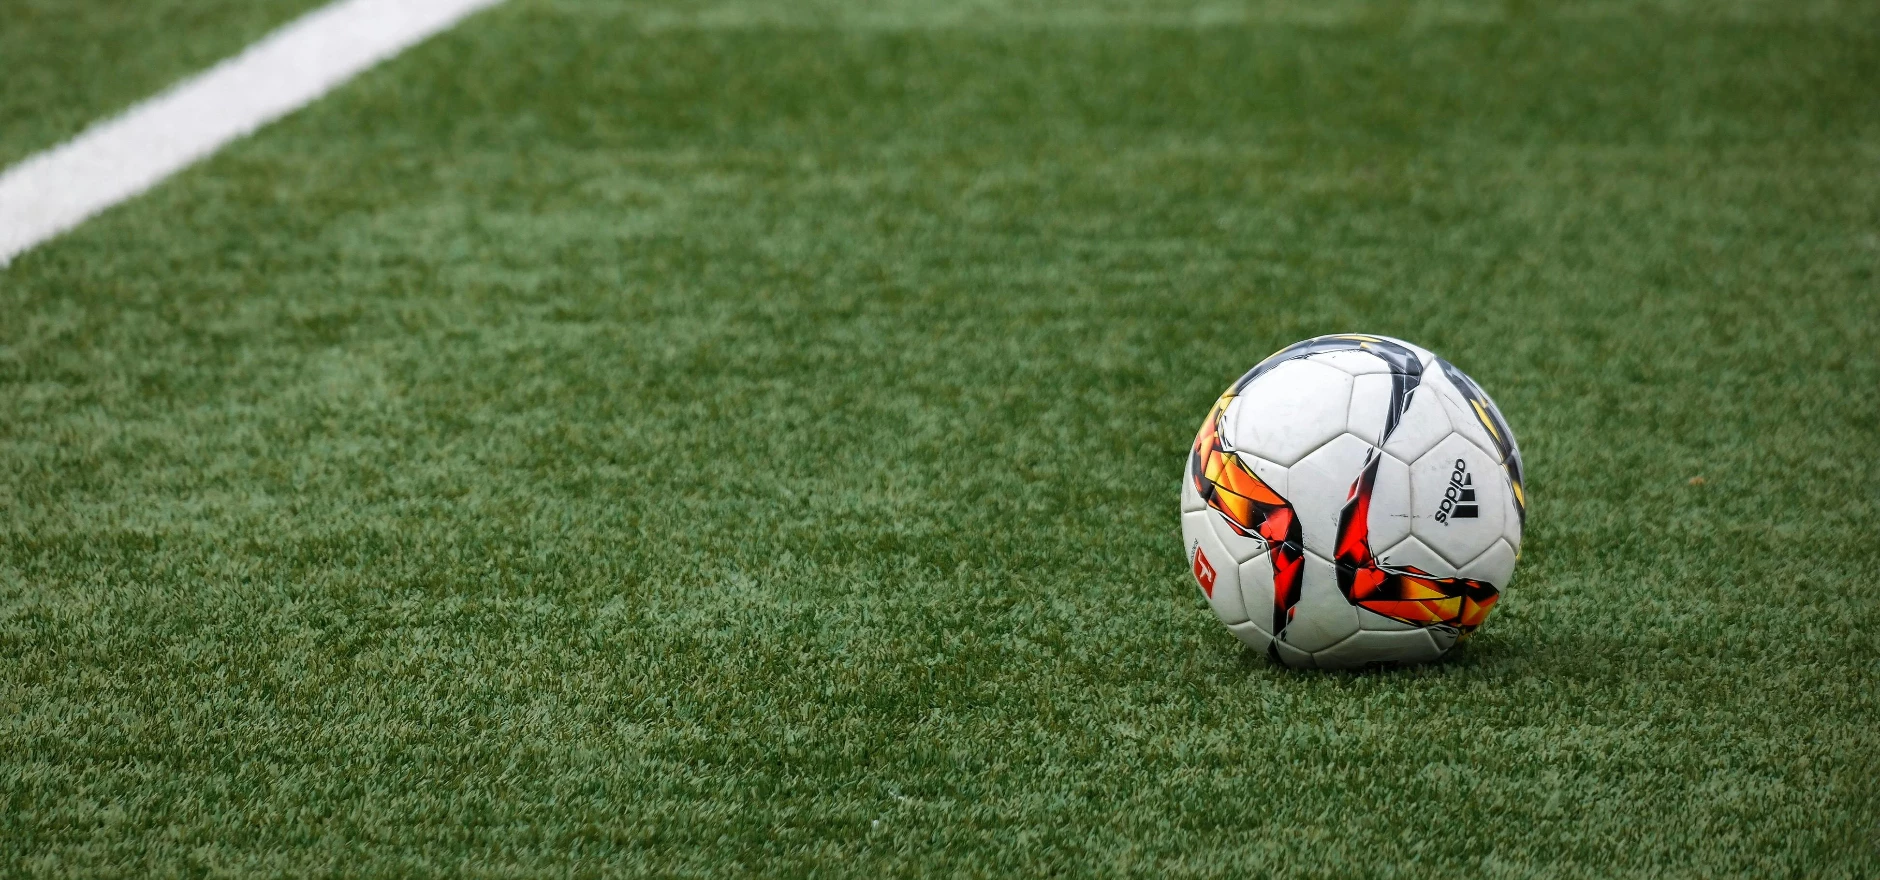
(745, 439)
(66, 63)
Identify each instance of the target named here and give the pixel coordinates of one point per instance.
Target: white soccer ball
(1353, 500)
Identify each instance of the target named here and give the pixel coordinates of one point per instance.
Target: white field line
(51, 192)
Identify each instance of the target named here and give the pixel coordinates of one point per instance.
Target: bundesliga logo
(1459, 498)
(1204, 572)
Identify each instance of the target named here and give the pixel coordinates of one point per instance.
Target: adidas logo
(1459, 498)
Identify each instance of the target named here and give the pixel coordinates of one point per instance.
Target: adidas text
(1459, 497)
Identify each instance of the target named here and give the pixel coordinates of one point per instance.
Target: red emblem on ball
(1204, 573)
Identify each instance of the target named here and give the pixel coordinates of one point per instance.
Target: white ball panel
(1322, 618)
(1391, 510)
(1212, 567)
(1292, 410)
(1436, 377)
(1370, 406)
(1251, 636)
(1191, 500)
(1438, 479)
(1320, 483)
(1469, 427)
(1411, 552)
(1256, 591)
(1424, 423)
(1495, 565)
(1273, 475)
(1356, 363)
(1367, 647)
(1443, 394)
(1292, 656)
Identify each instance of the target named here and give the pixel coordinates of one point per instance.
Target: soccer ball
(1353, 500)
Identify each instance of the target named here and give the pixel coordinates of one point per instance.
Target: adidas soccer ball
(1353, 500)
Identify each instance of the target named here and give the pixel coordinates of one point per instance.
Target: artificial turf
(745, 438)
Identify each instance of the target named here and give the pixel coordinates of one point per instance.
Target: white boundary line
(117, 159)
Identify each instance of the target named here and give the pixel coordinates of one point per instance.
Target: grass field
(68, 62)
(631, 438)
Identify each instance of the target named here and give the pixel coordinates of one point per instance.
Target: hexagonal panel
(1455, 496)
(1322, 618)
(1320, 483)
(1495, 565)
(1364, 648)
(1213, 569)
(1256, 591)
(1290, 411)
(1424, 423)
